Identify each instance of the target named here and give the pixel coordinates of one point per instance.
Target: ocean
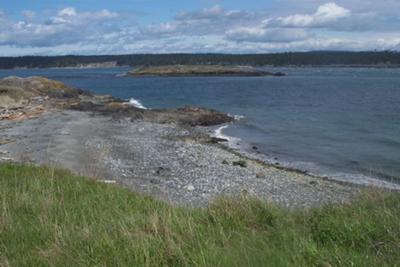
(342, 123)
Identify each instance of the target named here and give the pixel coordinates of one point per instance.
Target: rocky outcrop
(24, 98)
(200, 70)
(40, 86)
(189, 116)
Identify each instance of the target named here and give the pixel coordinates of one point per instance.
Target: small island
(201, 70)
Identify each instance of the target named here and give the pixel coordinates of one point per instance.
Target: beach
(179, 164)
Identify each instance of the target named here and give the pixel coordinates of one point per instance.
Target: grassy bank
(51, 218)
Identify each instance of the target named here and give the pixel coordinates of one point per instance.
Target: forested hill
(322, 58)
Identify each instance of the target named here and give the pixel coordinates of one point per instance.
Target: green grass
(51, 218)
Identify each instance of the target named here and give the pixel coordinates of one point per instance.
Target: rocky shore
(164, 153)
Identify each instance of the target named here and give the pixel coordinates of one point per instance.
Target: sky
(88, 27)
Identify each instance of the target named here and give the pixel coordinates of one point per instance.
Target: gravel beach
(162, 160)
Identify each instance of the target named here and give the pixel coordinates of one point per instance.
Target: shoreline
(166, 153)
(376, 66)
(241, 147)
(177, 164)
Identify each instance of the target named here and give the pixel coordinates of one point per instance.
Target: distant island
(381, 59)
(200, 70)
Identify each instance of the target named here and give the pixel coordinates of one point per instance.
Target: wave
(236, 117)
(312, 168)
(232, 141)
(136, 103)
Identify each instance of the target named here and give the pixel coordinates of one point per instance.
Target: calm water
(344, 123)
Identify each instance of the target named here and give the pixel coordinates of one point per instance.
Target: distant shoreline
(362, 59)
(265, 66)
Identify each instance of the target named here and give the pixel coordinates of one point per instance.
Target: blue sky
(57, 27)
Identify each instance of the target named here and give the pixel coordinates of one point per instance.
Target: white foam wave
(232, 141)
(236, 117)
(136, 103)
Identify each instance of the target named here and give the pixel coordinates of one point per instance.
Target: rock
(40, 86)
(254, 148)
(5, 141)
(187, 116)
(225, 162)
(6, 159)
(163, 171)
(203, 138)
(260, 175)
(154, 181)
(200, 70)
(216, 140)
(190, 187)
(241, 163)
(313, 183)
(279, 74)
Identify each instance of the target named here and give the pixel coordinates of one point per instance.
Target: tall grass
(52, 218)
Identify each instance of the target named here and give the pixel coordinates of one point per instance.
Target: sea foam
(136, 103)
(232, 141)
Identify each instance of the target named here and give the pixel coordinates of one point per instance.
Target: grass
(52, 218)
(12, 96)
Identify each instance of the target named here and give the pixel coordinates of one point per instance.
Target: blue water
(344, 123)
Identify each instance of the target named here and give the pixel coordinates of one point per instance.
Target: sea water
(343, 123)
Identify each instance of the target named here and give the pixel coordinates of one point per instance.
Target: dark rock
(225, 162)
(279, 74)
(260, 175)
(163, 171)
(215, 140)
(254, 148)
(190, 116)
(154, 181)
(241, 163)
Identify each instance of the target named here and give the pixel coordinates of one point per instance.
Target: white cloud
(326, 14)
(67, 12)
(215, 29)
(68, 26)
(260, 34)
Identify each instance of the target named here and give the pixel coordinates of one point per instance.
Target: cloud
(69, 15)
(267, 35)
(68, 26)
(213, 20)
(319, 26)
(67, 12)
(325, 15)
(29, 14)
(207, 13)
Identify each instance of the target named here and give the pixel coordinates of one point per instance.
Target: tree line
(316, 58)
